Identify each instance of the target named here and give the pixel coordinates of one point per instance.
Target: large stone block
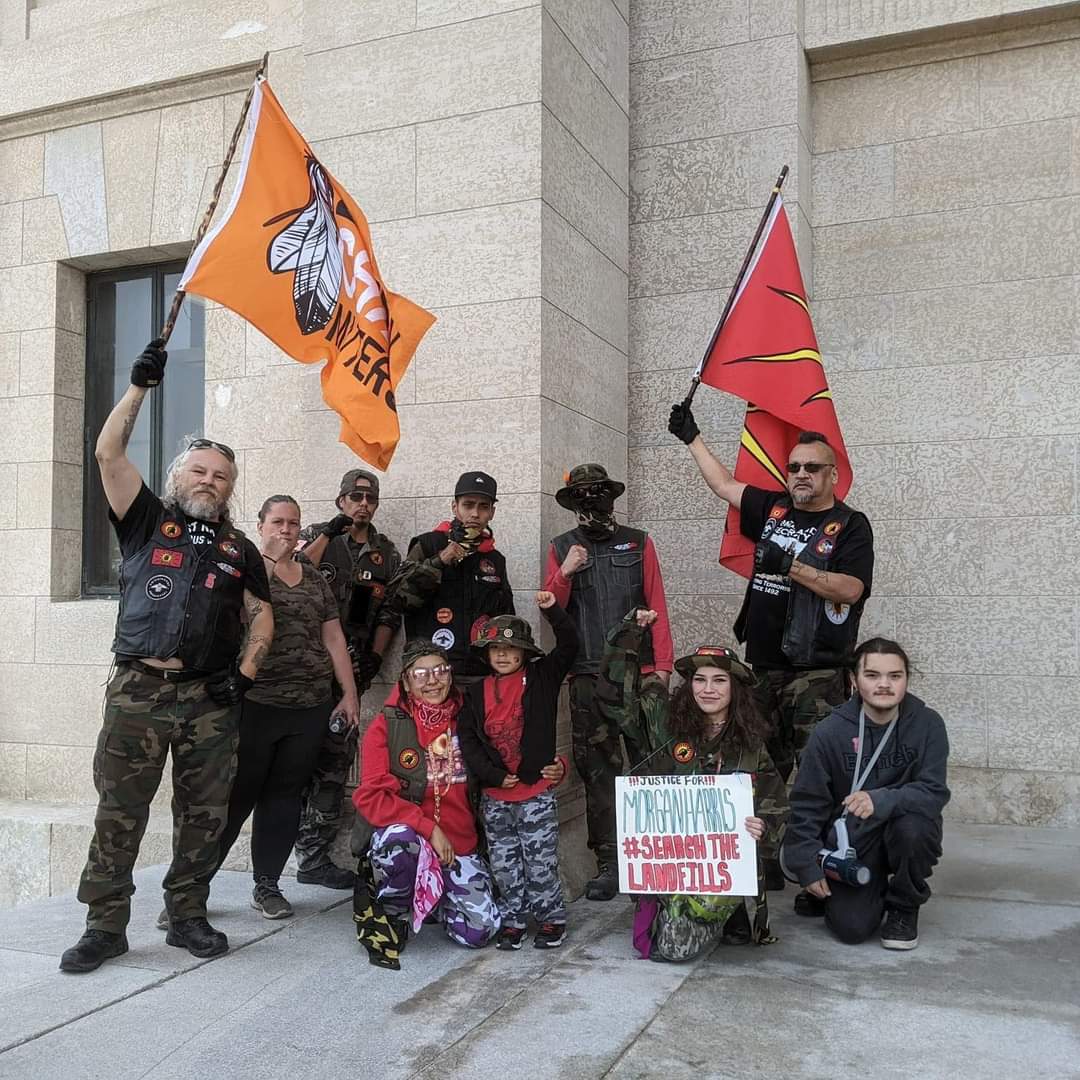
(1016, 85)
(190, 142)
(75, 173)
(890, 106)
(224, 343)
(377, 170)
(962, 702)
(441, 12)
(49, 496)
(935, 557)
(653, 393)
(583, 193)
(330, 24)
(700, 94)
(703, 176)
(22, 168)
(581, 102)
(130, 145)
(236, 408)
(665, 483)
(62, 774)
(853, 185)
(1040, 396)
(9, 364)
(11, 234)
(71, 694)
(24, 864)
(1032, 723)
(17, 629)
(1011, 797)
(568, 439)
(12, 771)
(582, 371)
(27, 297)
(599, 33)
(671, 331)
(27, 424)
(43, 236)
(466, 257)
(420, 76)
(73, 633)
(673, 27)
(703, 620)
(582, 281)
(985, 635)
(9, 496)
(689, 551)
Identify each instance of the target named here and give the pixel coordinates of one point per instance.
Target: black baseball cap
(476, 483)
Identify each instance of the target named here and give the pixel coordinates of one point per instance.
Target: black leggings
(278, 751)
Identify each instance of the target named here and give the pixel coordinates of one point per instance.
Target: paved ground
(992, 991)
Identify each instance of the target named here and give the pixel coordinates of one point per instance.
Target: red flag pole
(178, 298)
(696, 382)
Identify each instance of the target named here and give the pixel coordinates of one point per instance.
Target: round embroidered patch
(375, 557)
(328, 571)
(444, 615)
(444, 638)
(230, 549)
(683, 753)
(408, 758)
(832, 528)
(171, 529)
(159, 587)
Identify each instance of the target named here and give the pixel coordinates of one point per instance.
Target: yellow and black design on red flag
(167, 557)
(767, 353)
(292, 254)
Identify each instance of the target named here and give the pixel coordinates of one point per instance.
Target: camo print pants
(794, 703)
(322, 812)
(598, 758)
(523, 845)
(144, 717)
(467, 910)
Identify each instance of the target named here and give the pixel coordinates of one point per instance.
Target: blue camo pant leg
(538, 830)
(468, 910)
(394, 854)
(507, 859)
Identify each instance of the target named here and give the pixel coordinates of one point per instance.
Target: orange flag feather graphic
(292, 255)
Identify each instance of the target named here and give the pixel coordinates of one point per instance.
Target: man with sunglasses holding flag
(184, 661)
(812, 574)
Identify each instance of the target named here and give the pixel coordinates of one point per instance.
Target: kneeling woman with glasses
(414, 802)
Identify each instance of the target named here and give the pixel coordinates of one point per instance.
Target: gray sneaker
(266, 897)
(163, 920)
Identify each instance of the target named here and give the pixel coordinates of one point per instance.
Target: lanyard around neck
(858, 779)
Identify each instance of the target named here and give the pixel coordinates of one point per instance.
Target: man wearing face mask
(597, 571)
(454, 579)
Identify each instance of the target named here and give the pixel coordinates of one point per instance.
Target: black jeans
(278, 751)
(901, 856)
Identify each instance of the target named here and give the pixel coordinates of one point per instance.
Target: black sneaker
(901, 929)
(605, 886)
(809, 906)
(737, 928)
(549, 935)
(510, 937)
(198, 937)
(266, 897)
(92, 950)
(328, 876)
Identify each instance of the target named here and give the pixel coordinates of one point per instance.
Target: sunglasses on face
(812, 467)
(422, 674)
(209, 444)
(590, 490)
(363, 496)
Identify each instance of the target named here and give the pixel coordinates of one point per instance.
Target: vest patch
(328, 571)
(837, 613)
(376, 558)
(171, 529)
(444, 637)
(444, 615)
(408, 758)
(487, 567)
(832, 528)
(777, 512)
(230, 570)
(683, 753)
(167, 557)
(209, 582)
(824, 547)
(230, 549)
(628, 546)
(159, 587)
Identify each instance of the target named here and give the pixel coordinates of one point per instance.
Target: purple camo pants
(467, 910)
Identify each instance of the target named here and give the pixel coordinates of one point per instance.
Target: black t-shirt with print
(767, 611)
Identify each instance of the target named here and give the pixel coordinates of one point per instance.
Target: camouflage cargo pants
(598, 759)
(523, 849)
(144, 717)
(794, 702)
(321, 812)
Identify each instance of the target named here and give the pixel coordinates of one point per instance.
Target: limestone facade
(570, 186)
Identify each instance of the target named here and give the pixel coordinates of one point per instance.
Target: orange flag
(767, 353)
(292, 254)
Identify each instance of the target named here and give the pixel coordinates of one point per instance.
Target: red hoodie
(377, 795)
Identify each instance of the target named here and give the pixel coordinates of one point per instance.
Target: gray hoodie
(908, 777)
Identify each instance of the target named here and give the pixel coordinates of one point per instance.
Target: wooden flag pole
(696, 382)
(178, 299)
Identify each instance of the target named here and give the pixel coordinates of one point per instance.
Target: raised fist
(682, 425)
(149, 369)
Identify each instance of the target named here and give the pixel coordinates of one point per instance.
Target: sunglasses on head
(812, 467)
(209, 444)
(363, 496)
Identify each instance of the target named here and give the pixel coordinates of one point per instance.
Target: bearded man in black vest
(813, 570)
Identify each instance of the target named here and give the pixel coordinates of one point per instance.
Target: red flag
(767, 353)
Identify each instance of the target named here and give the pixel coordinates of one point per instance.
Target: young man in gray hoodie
(878, 762)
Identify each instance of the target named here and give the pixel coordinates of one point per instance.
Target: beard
(201, 505)
(802, 495)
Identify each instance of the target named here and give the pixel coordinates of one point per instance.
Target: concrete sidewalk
(992, 991)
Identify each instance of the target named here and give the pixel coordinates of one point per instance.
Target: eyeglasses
(812, 467)
(209, 444)
(422, 674)
(362, 496)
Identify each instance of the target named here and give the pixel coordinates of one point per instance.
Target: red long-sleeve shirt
(655, 600)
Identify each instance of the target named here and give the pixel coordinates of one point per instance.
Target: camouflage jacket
(640, 707)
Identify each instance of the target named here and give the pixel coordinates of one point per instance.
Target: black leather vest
(817, 632)
(180, 600)
(604, 590)
(359, 586)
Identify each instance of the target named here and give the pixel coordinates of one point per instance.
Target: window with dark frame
(125, 309)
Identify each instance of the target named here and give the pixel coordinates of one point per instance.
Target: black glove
(341, 524)
(682, 425)
(366, 666)
(228, 687)
(770, 558)
(149, 369)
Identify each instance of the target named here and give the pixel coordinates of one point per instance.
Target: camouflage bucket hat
(581, 476)
(716, 656)
(414, 648)
(507, 630)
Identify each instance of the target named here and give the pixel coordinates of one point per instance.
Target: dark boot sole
(179, 942)
(82, 969)
(601, 896)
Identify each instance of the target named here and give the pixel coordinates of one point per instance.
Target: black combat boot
(92, 950)
(605, 886)
(328, 876)
(198, 937)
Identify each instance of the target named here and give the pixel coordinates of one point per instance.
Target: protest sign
(686, 834)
